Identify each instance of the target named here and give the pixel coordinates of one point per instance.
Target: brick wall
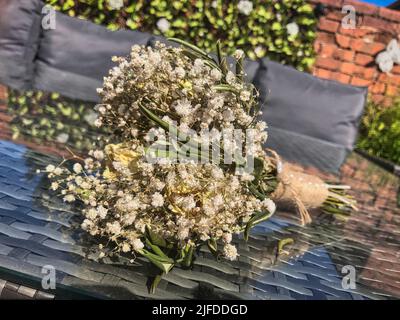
(348, 55)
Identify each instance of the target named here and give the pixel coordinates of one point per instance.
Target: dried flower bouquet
(163, 188)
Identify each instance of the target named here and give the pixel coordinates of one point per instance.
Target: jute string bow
(299, 189)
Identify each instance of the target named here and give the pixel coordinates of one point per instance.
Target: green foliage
(380, 131)
(202, 22)
(49, 117)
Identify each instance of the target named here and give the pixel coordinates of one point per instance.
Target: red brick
(325, 37)
(391, 91)
(357, 45)
(328, 63)
(345, 55)
(5, 117)
(394, 80)
(347, 32)
(389, 14)
(355, 81)
(343, 41)
(389, 79)
(396, 69)
(368, 48)
(322, 73)
(383, 77)
(359, 32)
(327, 50)
(378, 89)
(348, 68)
(343, 78)
(335, 15)
(328, 25)
(383, 37)
(378, 23)
(364, 8)
(365, 73)
(364, 59)
(317, 46)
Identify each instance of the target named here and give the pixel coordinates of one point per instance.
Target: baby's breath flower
(57, 171)
(126, 247)
(77, 168)
(230, 252)
(69, 198)
(54, 186)
(98, 122)
(245, 95)
(270, 205)
(137, 244)
(50, 168)
(157, 200)
(230, 77)
(216, 74)
(183, 107)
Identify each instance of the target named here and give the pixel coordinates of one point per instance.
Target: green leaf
(256, 219)
(155, 283)
(164, 265)
(226, 88)
(212, 246)
(219, 52)
(190, 46)
(283, 243)
(188, 255)
(258, 168)
(155, 238)
(239, 69)
(276, 26)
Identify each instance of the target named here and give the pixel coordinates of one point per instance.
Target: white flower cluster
(245, 7)
(184, 203)
(182, 90)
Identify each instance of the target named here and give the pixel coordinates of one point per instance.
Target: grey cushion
(20, 24)
(306, 150)
(74, 58)
(301, 103)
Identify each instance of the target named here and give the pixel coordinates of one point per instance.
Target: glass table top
(38, 230)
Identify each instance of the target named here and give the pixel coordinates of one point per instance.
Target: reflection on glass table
(38, 231)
